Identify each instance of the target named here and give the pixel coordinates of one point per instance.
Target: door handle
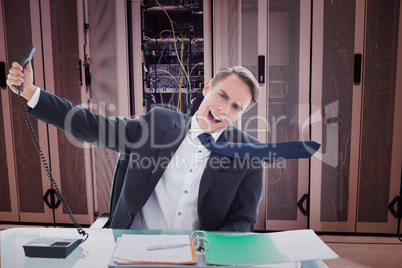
(80, 70)
(391, 206)
(305, 211)
(357, 69)
(52, 203)
(3, 77)
(261, 69)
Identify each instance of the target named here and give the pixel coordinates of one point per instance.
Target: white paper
(134, 248)
(302, 245)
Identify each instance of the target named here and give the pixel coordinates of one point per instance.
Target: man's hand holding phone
(18, 76)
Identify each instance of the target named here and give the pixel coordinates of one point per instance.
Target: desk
(95, 252)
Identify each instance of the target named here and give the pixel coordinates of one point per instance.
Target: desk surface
(95, 252)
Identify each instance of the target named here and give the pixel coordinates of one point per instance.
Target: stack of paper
(155, 249)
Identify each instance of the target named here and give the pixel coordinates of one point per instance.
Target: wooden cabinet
(355, 91)
(61, 33)
(331, 74)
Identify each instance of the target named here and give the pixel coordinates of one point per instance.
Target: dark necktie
(267, 152)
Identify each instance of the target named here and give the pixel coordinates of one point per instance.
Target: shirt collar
(196, 130)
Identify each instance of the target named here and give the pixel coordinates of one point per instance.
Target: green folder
(238, 249)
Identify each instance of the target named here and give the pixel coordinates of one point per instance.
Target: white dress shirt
(174, 201)
(35, 98)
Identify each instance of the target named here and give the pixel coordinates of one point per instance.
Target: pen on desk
(167, 246)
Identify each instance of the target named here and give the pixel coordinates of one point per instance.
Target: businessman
(173, 181)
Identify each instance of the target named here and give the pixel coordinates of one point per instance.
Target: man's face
(223, 104)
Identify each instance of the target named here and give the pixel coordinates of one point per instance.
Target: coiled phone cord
(48, 171)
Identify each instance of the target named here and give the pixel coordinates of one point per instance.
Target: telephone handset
(27, 57)
(47, 247)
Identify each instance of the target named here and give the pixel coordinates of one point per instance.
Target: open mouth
(214, 118)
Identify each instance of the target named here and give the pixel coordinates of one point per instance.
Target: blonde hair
(245, 75)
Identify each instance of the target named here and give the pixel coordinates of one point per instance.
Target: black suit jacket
(230, 189)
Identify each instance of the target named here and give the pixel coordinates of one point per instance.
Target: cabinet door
(8, 186)
(109, 88)
(380, 145)
(358, 173)
(24, 182)
(287, 102)
(252, 45)
(336, 114)
(71, 164)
